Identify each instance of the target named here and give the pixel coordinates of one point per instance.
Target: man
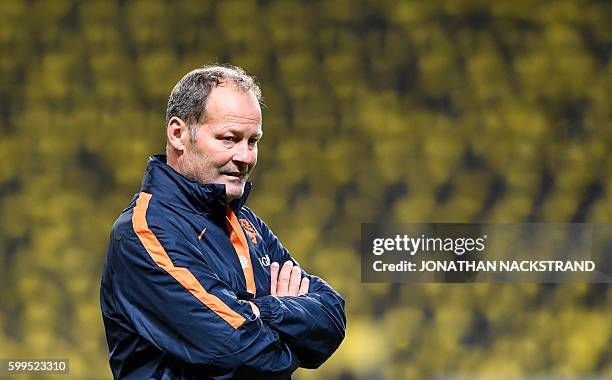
(195, 285)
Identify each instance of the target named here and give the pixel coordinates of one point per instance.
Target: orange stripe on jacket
(182, 275)
(242, 250)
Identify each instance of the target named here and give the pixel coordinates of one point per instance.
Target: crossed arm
(304, 310)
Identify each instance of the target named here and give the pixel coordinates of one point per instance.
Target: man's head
(213, 124)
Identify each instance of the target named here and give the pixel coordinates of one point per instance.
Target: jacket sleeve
(175, 301)
(314, 324)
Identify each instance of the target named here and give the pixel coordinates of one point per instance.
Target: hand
(289, 281)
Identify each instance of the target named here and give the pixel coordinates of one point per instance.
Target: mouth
(236, 175)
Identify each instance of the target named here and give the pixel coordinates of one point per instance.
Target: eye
(253, 141)
(229, 138)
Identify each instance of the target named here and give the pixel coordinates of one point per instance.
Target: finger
(294, 282)
(273, 278)
(304, 286)
(282, 286)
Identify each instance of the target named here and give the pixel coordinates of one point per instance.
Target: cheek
(215, 155)
(220, 159)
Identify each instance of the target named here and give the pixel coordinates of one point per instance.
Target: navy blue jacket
(179, 268)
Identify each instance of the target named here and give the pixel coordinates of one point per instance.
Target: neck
(172, 158)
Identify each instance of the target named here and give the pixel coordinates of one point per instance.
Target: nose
(245, 154)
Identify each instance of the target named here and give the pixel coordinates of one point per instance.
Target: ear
(177, 133)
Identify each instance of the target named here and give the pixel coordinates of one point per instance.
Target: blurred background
(397, 111)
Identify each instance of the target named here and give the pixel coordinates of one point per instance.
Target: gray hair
(190, 95)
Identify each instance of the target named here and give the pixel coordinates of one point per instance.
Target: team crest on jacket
(249, 230)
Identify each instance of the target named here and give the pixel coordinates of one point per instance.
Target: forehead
(226, 101)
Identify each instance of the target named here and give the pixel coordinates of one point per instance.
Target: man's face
(225, 150)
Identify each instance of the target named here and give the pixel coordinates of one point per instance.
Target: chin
(234, 193)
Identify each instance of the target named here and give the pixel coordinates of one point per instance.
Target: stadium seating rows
(449, 111)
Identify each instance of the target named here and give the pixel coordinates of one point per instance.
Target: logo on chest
(248, 227)
(265, 261)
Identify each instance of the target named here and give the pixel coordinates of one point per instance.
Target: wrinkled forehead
(228, 104)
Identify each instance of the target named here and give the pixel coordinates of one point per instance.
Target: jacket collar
(168, 185)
